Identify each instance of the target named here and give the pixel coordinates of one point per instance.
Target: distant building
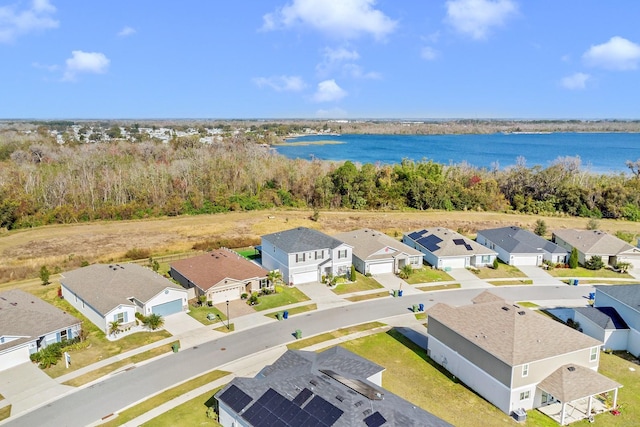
(516, 246)
(589, 243)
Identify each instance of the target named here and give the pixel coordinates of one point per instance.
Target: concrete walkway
(321, 295)
(540, 277)
(392, 282)
(467, 279)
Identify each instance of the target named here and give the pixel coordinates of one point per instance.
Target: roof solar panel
(303, 396)
(430, 242)
(300, 418)
(375, 420)
(468, 246)
(458, 241)
(323, 410)
(235, 398)
(253, 413)
(415, 235)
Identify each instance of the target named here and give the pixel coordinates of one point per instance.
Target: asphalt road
(93, 403)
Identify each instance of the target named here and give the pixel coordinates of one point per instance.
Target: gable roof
(516, 240)
(24, 315)
(594, 242)
(210, 269)
(627, 294)
(573, 382)
(604, 317)
(443, 242)
(367, 243)
(302, 239)
(104, 287)
(335, 379)
(511, 333)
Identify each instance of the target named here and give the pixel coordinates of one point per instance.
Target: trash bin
(298, 334)
(576, 282)
(592, 295)
(421, 307)
(399, 292)
(415, 308)
(395, 293)
(175, 347)
(285, 314)
(279, 315)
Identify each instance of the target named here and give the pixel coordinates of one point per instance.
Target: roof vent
(571, 368)
(314, 382)
(340, 398)
(521, 313)
(367, 412)
(505, 308)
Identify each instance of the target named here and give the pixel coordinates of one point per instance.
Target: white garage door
(305, 277)
(14, 358)
(226, 295)
(453, 262)
(635, 261)
(382, 268)
(524, 260)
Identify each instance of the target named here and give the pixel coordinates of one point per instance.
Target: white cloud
(329, 91)
(342, 60)
(429, 53)
(281, 83)
(345, 19)
(576, 81)
(616, 54)
(37, 17)
(85, 62)
(126, 31)
(50, 68)
(477, 17)
(340, 54)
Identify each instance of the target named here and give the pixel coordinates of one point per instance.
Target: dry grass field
(62, 247)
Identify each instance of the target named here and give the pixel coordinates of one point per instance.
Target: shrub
(244, 296)
(137, 253)
(352, 276)
(154, 321)
(573, 258)
(253, 299)
(496, 263)
(594, 263)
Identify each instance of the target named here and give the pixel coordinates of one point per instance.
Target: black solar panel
(468, 246)
(323, 410)
(303, 396)
(235, 398)
(458, 241)
(375, 420)
(416, 235)
(430, 242)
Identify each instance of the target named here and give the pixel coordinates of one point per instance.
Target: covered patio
(578, 393)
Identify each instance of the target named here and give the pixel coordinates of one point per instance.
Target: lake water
(599, 152)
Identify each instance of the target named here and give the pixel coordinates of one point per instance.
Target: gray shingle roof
(22, 314)
(594, 242)
(297, 370)
(573, 382)
(302, 239)
(604, 317)
(452, 243)
(627, 294)
(367, 242)
(105, 287)
(516, 240)
(513, 334)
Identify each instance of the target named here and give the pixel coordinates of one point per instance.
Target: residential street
(89, 405)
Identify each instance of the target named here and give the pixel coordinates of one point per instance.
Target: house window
(524, 395)
(594, 354)
(118, 317)
(63, 335)
(320, 254)
(342, 253)
(486, 259)
(525, 369)
(300, 257)
(263, 283)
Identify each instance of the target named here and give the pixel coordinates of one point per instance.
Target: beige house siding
(541, 369)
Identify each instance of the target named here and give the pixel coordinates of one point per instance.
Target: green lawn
(439, 287)
(190, 413)
(5, 412)
(365, 297)
(200, 314)
(527, 304)
(249, 253)
(583, 272)
(300, 344)
(428, 275)
(503, 271)
(167, 395)
(283, 297)
(294, 310)
(362, 283)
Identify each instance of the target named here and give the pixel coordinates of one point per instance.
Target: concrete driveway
(26, 386)
(392, 282)
(179, 323)
(539, 276)
(467, 279)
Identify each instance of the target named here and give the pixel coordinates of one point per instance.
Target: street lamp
(228, 319)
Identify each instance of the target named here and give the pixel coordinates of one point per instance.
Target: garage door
(381, 268)
(306, 277)
(524, 260)
(226, 295)
(167, 308)
(453, 263)
(14, 358)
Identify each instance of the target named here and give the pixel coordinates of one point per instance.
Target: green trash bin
(395, 293)
(298, 334)
(279, 315)
(415, 308)
(175, 347)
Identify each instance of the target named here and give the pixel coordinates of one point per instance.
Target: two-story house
(304, 255)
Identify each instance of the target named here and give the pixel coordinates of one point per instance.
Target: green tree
(45, 274)
(593, 224)
(496, 263)
(594, 263)
(573, 258)
(352, 276)
(540, 228)
(274, 277)
(114, 328)
(405, 271)
(154, 321)
(624, 266)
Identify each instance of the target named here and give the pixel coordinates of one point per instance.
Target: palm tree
(405, 271)
(154, 321)
(274, 276)
(114, 328)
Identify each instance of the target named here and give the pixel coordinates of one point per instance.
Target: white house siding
(342, 265)
(228, 418)
(168, 295)
(14, 357)
(529, 403)
(612, 339)
(633, 345)
(84, 308)
(482, 260)
(475, 378)
(275, 259)
(129, 312)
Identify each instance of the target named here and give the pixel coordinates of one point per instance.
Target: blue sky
(320, 59)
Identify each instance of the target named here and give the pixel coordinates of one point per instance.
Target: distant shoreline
(302, 143)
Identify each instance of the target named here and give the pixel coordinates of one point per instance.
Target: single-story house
(304, 388)
(625, 300)
(376, 253)
(516, 358)
(221, 275)
(445, 249)
(517, 246)
(28, 324)
(115, 292)
(603, 324)
(594, 242)
(304, 255)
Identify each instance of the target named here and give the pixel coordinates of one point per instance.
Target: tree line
(42, 182)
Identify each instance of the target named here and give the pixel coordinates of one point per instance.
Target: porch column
(615, 398)
(562, 414)
(589, 406)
